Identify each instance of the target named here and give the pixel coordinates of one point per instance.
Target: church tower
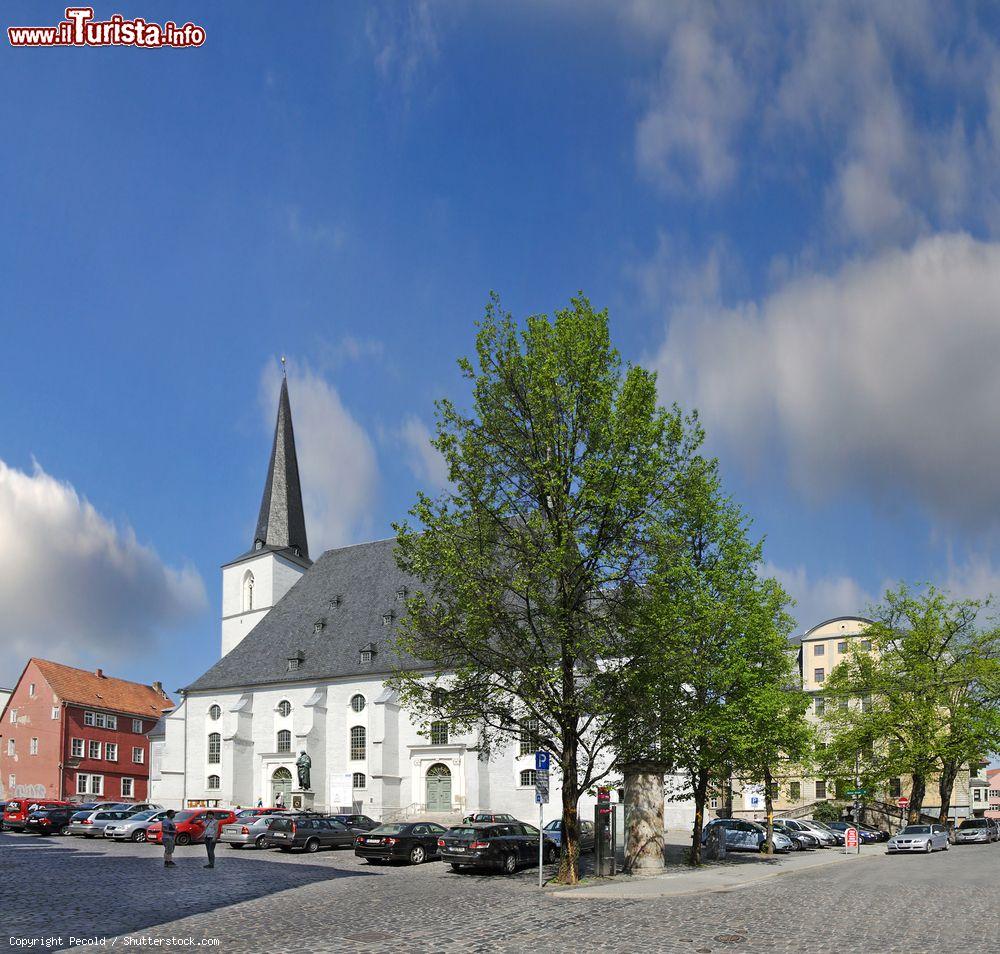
(279, 553)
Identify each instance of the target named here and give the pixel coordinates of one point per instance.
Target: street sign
(541, 778)
(541, 761)
(857, 791)
(851, 838)
(902, 801)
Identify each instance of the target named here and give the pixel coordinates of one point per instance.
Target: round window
(214, 712)
(284, 707)
(358, 702)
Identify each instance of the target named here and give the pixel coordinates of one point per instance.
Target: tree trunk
(946, 785)
(569, 862)
(769, 808)
(700, 794)
(917, 792)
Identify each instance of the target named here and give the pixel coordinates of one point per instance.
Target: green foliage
(826, 812)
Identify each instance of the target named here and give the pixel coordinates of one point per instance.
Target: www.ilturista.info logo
(80, 29)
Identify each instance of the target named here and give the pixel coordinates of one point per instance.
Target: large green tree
(533, 563)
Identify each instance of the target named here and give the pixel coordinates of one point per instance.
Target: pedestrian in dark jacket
(169, 836)
(211, 836)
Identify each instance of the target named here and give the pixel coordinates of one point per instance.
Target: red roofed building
(74, 734)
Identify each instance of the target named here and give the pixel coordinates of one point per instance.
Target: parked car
(50, 821)
(15, 815)
(92, 824)
(134, 826)
(554, 829)
(190, 825)
(482, 818)
(866, 835)
(742, 835)
(925, 838)
(879, 834)
(838, 836)
(974, 830)
(309, 833)
(133, 807)
(357, 822)
(500, 846)
(250, 827)
(415, 842)
(801, 840)
(827, 838)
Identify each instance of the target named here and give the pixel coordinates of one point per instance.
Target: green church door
(438, 788)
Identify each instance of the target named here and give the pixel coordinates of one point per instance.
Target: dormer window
(368, 653)
(387, 618)
(295, 662)
(401, 593)
(319, 626)
(335, 602)
(258, 545)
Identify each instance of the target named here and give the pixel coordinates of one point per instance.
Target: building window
(820, 788)
(820, 705)
(137, 725)
(358, 740)
(247, 592)
(76, 747)
(528, 777)
(128, 788)
(359, 780)
(89, 718)
(213, 781)
(819, 674)
(33, 747)
(284, 741)
(284, 708)
(819, 649)
(111, 751)
(842, 647)
(795, 791)
(866, 644)
(866, 702)
(101, 720)
(387, 619)
(895, 787)
(439, 733)
(138, 754)
(319, 626)
(96, 784)
(81, 784)
(31, 690)
(294, 663)
(94, 749)
(215, 713)
(55, 712)
(10, 747)
(529, 736)
(358, 703)
(368, 653)
(214, 748)
(713, 802)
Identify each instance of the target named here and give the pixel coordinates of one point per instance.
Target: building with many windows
(70, 733)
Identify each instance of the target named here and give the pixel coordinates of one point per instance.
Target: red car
(190, 824)
(18, 809)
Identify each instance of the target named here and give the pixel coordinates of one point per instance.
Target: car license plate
(457, 848)
(373, 841)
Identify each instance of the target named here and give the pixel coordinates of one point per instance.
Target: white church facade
(307, 648)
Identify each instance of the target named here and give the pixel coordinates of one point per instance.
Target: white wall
(273, 577)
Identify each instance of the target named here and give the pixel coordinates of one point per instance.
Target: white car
(925, 838)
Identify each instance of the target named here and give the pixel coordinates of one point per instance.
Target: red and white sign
(851, 838)
(902, 801)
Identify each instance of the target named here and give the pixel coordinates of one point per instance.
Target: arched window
(247, 591)
(358, 703)
(439, 733)
(214, 748)
(358, 739)
(213, 781)
(284, 708)
(284, 741)
(359, 780)
(528, 778)
(214, 712)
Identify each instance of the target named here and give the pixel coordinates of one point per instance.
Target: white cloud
(337, 463)
(424, 460)
(881, 376)
(820, 598)
(74, 586)
(403, 39)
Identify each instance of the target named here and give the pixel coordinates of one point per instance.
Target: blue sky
(790, 211)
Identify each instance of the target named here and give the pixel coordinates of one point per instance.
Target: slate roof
(102, 692)
(333, 611)
(281, 523)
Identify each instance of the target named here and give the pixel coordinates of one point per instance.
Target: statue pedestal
(302, 800)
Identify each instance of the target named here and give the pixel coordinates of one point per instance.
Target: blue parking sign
(541, 761)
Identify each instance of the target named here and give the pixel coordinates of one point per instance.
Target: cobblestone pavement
(266, 901)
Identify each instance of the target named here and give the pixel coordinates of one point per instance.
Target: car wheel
(62, 831)
(929, 848)
(508, 864)
(183, 839)
(946, 846)
(138, 835)
(455, 867)
(258, 842)
(417, 855)
(551, 855)
(796, 845)
(312, 845)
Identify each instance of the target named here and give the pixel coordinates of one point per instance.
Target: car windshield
(389, 829)
(462, 832)
(975, 823)
(554, 825)
(142, 816)
(916, 830)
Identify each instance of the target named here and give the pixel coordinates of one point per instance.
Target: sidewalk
(739, 870)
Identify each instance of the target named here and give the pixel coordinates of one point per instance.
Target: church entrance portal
(281, 781)
(438, 788)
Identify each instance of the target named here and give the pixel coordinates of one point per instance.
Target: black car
(357, 822)
(402, 841)
(310, 833)
(801, 840)
(865, 834)
(50, 821)
(480, 818)
(503, 847)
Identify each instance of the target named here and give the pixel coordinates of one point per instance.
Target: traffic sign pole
(542, 797)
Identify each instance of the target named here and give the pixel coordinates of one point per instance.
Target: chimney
(100, 673)
(158, 688)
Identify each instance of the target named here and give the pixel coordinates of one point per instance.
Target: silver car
(250, 827)
(92, 824)
(824, 836)
(925, 838)
(973, 831)
(133, 828)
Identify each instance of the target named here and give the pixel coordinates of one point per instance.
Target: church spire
(282, 522)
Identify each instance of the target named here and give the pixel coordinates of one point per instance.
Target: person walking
(211, 836)
(260, 802)
(169, 836)
(279, 800)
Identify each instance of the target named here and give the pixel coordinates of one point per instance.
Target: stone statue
(303, 763)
